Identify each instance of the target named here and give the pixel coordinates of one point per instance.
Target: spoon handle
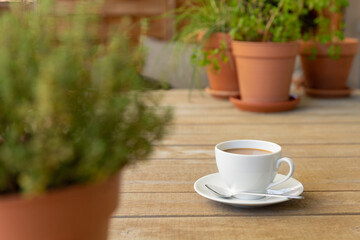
(269, 195)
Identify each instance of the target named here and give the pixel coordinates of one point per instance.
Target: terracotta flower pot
(74, 213)
(222, 81)
(265, 70)
(324, 72)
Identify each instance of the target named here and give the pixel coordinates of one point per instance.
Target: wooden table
(322, 137)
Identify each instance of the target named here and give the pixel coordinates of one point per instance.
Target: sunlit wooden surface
(157, 199)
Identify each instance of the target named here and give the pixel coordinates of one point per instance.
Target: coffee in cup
(247, 151)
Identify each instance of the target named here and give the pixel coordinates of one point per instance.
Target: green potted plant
(207, 22)
(326, 54)
(265, 45)
(73, 113)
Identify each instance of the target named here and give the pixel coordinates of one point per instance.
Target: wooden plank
(227, 108)
(126, 15)
(270, 119)
(202, 106)
(230, 110)
(281, 134)
(192, 204)
(136, 7)
(158, 200)
(168, 175)
(265, 128)
(198, 228)
(296, 150)
(159, 27)
(199, 96)
(200, 103)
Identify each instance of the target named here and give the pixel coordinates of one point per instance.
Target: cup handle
(291, 171)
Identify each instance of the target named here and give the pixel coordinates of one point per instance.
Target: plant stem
(271, 20)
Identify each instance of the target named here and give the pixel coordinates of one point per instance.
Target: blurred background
(167, 61)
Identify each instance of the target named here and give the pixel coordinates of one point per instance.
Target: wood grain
(159, 27)
(198, 228)
(289, 150)
(322, 137)
(191, 204)
(181, 97)
(171, 175)
(252, 119)
(328, 121)
(202, 105)
(126, 15)
(137, 7)
(280, 133)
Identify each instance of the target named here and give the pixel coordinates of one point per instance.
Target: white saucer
(290, 187)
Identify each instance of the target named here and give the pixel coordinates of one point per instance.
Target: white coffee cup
(251, 173)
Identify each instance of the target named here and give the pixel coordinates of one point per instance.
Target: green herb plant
(72, 110)
(267, 20)
(205, 17)
(317, 25)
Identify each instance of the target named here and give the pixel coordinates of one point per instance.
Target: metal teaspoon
(221, 192)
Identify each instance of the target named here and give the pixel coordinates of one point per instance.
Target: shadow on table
(291, 207)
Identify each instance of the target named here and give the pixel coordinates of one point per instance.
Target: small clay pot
(73, 213)
(224, 79)
(265, 70)
(325, 72)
